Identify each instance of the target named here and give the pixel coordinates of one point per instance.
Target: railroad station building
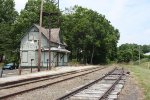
(29, 48)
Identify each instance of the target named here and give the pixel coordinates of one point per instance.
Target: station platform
(53, 71)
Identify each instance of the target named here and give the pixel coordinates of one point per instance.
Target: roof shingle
(54, 34)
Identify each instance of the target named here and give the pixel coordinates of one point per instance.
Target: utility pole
(58, 4)
(49, 15)
(49, 50)
(139, 55)
(39, 49)
(49, 43)
(59, 23)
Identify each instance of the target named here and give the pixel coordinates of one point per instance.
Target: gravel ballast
(57, 90)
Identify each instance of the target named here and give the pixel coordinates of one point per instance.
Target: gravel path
(60, 89)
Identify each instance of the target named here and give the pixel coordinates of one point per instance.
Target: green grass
(142, 74)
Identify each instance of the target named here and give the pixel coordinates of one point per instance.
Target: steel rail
(85, 86)
(38, 79)
(106, 93)
(42, 86)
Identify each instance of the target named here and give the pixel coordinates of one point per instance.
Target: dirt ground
(131, 90)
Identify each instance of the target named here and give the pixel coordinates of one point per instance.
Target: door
(31, 57)
(24, 56)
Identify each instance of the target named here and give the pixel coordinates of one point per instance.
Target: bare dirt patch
(131, 90)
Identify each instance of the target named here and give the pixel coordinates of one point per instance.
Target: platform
(53, 71)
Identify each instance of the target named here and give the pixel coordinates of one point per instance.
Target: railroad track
(104, 88)
(38, 79)
(29, 85)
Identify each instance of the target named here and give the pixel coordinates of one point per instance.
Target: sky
(131, 17)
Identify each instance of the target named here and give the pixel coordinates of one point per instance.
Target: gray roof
(54, 34)
(57, 49)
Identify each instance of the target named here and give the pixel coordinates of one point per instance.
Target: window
(46, 56)
(35, 40)
(31, 37)
(34, 30)
(24, 56)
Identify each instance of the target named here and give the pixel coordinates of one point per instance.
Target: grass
(142, 74)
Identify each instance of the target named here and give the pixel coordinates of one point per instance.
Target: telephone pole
(49, 24)
(49, 15)
(39, 49)
(139, 55)
(49, 42)
(39, 43)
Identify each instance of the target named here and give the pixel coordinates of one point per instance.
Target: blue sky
(131, 17)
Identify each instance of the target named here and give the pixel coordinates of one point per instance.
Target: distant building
(29, 48)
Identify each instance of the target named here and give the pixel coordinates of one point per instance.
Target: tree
(146, 48)
(124, 56)
(128, 52)
(89, 35)
(29, 16)
(7, 18)
(90, 32)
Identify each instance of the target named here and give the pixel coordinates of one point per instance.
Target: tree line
(90, 37)
(131, 52)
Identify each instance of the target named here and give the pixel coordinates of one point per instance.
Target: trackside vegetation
(130, 52)
(142, 74)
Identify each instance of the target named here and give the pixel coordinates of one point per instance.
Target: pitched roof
(54, 34)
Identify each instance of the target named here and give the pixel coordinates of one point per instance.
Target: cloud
(20, 4)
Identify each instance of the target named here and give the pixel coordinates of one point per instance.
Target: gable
(34, 30)
(33, 34)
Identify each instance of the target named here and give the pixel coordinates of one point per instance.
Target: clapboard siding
(29, 50)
